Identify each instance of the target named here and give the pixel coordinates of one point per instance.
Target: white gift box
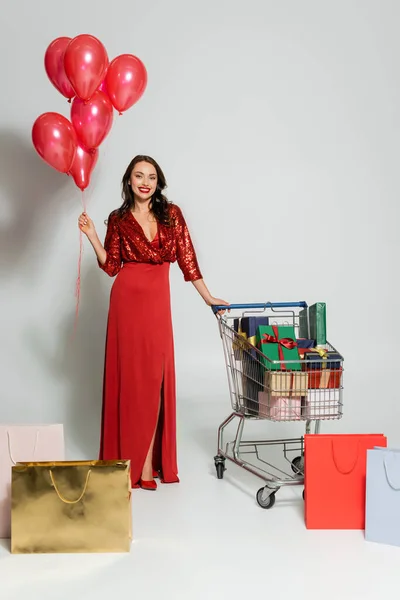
(321, 404)
(279, 408)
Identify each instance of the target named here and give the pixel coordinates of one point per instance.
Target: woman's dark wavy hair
(158, 204)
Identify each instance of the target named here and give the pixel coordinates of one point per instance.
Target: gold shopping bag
(75, 506)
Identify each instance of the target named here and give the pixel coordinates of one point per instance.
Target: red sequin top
(125, 241)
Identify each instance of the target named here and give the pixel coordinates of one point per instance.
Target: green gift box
(312, 323)
(278, 343)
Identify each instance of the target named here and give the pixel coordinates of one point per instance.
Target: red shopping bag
(334, 479)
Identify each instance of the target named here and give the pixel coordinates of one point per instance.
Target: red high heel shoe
(148, 485)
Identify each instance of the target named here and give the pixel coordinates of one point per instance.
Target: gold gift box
(75, 506)
(286, 383)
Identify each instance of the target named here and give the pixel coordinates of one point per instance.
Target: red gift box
(320, 378)
(325, 379)
(335, 475)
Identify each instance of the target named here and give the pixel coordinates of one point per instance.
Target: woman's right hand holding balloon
(86, 225)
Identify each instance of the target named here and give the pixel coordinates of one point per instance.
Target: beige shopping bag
(82, 506)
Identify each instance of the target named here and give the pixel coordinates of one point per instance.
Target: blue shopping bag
(382, 518)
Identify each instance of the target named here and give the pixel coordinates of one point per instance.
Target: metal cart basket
(261, 389)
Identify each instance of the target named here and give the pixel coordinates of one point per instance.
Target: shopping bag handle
(351, 469)
(386, 459)
(65, 499)
(264, 305)
(14, 462)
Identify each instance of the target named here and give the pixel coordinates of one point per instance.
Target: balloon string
(78, 279)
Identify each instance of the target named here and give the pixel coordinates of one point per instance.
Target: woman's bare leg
(147, 471)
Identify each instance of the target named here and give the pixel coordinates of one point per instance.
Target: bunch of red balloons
(80, 70)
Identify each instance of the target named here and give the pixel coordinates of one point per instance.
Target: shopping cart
(261, 389)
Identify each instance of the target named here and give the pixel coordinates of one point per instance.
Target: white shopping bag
(382, 518)
(24, 443)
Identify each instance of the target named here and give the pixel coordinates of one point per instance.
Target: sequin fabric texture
(125, 241)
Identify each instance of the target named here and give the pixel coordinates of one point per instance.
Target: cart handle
(301, 304)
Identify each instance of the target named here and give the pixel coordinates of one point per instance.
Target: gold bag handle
(65, 499)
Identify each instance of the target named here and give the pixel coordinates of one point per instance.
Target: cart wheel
(219, 462)
(304, 495)
(265, 502)
(220, 470)
(298, 465)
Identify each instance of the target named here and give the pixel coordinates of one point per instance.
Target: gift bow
(287, 343)
(321, 351)
(273, 339)
(251, 340)
(323, 354)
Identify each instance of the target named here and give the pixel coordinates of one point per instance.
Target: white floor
(206, 538)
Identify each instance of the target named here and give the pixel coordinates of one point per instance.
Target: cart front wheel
(267, 502)
(220, 470)
(219, 462)
(298, 465)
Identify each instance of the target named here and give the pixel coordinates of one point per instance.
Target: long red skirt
(139, 374)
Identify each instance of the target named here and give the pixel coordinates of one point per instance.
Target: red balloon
(54, 66)
(55, 140)
(83, 165)
(93, 119)
(85, 63)
(126, 81)
(103, 87)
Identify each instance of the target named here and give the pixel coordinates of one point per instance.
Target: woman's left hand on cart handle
(218, 302)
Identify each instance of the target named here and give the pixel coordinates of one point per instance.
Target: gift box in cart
(247, 328)
(287, 387)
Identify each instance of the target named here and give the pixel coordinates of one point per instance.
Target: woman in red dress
(143, 237)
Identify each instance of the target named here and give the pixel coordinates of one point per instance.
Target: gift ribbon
(240, 340)
(250, 340)
(291, 385)
(323, 354)
(324, 379)
(287, 343)
(242, 336)
(290, 411)
(299, 390)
